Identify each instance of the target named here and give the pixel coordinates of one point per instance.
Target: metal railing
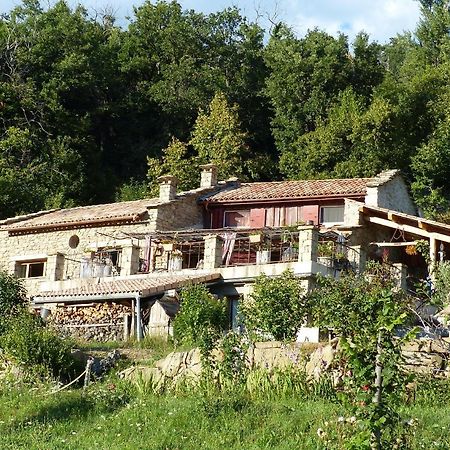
(247, 249)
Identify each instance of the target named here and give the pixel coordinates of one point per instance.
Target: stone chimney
(167, 188)
(209, 176)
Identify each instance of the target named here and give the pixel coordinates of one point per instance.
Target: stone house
(137, 254)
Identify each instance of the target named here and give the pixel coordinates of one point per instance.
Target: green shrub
(276, 306)
(36, 347)
(201, 317)
(12, 298)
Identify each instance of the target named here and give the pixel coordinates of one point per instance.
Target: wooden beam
(394, 244)
(407, 228)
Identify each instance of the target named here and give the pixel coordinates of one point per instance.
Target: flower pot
(263, 257)
(255, 238)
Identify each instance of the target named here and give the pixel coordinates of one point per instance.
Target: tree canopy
(84, 103)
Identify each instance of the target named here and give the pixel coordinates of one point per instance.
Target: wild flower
(321, 433)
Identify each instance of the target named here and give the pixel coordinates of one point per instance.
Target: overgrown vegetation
(364, 311)
(276, 307)
(202, 318)
(25, 339)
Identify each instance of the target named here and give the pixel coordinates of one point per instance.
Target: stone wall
(388, 190)
(425, 357)
(15, 249)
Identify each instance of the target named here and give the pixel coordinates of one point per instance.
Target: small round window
(74, 241)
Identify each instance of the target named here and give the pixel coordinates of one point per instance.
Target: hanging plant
(423, 248)
(411, 250)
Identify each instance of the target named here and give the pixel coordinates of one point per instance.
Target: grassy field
(112, 415)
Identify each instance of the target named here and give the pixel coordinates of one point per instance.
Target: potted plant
(263, 253)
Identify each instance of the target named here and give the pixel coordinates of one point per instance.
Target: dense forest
(92, 112)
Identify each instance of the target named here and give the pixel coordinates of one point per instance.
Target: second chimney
(209, 176)
(167, 188)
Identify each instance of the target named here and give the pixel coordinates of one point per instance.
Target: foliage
(12, 298)
(25, 337)
(234, 365)
(364, 311)
(132, 190)
(276, 306)
(201, 317)
(217, 138)
(36, 347)
(441, 295)
(84, 103)
(177, 162)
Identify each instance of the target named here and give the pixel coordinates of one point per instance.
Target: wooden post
(87, 375)
(126, 327)
(432, 253)
(138, 318)
(378, 385)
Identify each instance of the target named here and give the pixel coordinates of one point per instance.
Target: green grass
(112, 415)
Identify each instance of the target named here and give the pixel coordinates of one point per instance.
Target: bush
(12, 298)
(201, 316)
(276, 306)
(36, 347)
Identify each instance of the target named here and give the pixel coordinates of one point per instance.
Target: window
(331, 214)
(236, 218)
(31, 269)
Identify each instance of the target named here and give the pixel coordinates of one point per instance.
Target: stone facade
(55, 246)
(389, 191)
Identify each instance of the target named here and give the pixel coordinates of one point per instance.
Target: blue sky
(382, 19)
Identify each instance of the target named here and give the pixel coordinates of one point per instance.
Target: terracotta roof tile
(292, 190)
(146, 285)
(131, 210)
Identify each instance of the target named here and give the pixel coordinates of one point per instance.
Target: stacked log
(94, 322)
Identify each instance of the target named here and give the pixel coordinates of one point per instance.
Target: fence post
(87, 375)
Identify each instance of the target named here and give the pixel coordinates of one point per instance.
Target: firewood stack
(94, 322)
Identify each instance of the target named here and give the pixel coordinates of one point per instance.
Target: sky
(382, 19)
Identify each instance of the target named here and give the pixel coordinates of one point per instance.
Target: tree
(430, 167)
(353, 141)
(217, 138)
(176, 60)
(175, 161)
(276, 306)
(305, 77)
(364, 311)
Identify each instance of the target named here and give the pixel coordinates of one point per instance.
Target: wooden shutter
(310, 212)
(257, 217)
(217, 218)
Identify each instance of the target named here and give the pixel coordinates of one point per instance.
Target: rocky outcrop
(187, 366)
(427, 357)
(169, 371)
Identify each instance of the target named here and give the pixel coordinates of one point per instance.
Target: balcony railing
(262, 248)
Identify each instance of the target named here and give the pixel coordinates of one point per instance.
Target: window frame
(20, 265)
(321, 214)
(236, 211)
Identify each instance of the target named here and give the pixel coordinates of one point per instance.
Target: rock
(320, 361)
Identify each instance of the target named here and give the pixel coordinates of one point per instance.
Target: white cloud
(382, 19)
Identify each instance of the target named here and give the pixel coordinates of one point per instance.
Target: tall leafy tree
(217, 138)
